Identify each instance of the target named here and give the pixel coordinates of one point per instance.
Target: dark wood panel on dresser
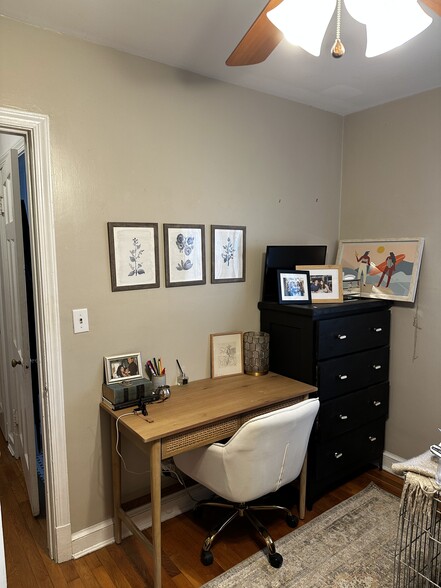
(343, 349)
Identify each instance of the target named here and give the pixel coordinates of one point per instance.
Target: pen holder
(158, 381)
(256, 353)
(182, 380)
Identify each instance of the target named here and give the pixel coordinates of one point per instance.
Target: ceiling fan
(263, 36)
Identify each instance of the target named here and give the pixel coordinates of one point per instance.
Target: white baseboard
(101, 534)
(389, 459)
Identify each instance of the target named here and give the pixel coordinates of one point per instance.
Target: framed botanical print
(134, 258)
(184, 249)
(226, 354)
(228, 245)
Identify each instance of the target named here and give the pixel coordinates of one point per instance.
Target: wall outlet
(80, 320)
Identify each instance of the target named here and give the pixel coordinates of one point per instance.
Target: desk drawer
(345, 374)
(340, 336)
(346, 413)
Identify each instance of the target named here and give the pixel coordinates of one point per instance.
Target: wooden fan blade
(434, 5)
(259, 41)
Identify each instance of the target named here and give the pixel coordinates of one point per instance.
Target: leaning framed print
(134, 258)
(294, 287)
(325, 282)
(122, 367)
(184, 250)
(226, 352)
(227, 254)
(387, 268)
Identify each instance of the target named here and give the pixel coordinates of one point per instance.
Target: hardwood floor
(128, 565)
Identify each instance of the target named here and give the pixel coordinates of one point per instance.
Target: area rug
(349, 546)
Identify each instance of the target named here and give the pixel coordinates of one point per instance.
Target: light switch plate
(80, 320)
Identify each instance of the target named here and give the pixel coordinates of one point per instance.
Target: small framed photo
(386, 268)
(134, 258)
(325, 281)
(227, 254)
(122, 367)
(184, 250)
(294, 287)
(226, 354)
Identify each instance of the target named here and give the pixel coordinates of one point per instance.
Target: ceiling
(199, 35)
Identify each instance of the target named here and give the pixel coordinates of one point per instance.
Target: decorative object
(294, 287)
(387, 268)
(325, 282)
(134, 259)
(350, 545)
(256, 353)
(226, 354)
(184, 248)
(122, 367)
(228, 254)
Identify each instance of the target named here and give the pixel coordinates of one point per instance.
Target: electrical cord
(117, 443)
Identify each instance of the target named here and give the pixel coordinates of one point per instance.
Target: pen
(179, 366)
(152, 369)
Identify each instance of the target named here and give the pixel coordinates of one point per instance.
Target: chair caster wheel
(292, 521)
(207, 557)
(275, 559)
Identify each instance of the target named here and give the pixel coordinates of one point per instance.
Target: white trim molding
(35, 130)
(100, 535)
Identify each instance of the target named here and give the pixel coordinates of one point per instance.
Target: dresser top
(317, 311)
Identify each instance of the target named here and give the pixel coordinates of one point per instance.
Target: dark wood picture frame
(184, 252)
(228, 254)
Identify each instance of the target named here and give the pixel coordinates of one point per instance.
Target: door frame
(35, 130)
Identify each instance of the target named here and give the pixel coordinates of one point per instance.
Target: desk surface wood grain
(206, 401)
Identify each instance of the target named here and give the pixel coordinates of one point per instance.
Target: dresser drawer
(346, 413)
(342, 375)
(336, 457)
(340, 336)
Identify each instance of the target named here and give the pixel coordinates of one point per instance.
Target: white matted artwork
(184, 250)
(226, 354)
(227, 254)
(134, 259)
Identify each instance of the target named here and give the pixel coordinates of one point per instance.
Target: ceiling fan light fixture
(303, 22)
(389, 23)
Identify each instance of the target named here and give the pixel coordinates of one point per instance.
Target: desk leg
(116, 483)
(155, 490)
(302, 496)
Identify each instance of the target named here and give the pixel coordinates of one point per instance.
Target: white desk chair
(265, 453)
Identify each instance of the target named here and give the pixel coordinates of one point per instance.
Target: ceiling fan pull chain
(338, 49)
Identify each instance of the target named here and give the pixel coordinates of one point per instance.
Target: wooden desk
(195, 415)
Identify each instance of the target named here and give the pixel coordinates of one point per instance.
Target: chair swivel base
(274, 558)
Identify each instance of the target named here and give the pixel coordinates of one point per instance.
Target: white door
(16, 332)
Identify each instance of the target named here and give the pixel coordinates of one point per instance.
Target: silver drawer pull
(377, 403)
(343, 417)
(377, 367)
(342, 376)
(372, 438)
(377, 329)
(338, 455)
(341, 337)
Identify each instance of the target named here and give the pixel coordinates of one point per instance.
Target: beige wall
(132, 140)
(391, 187)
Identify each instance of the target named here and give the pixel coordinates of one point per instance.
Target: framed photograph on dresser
(325, 281)
(294, 287)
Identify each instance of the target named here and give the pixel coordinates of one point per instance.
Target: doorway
(34, 129)
(13, 157)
